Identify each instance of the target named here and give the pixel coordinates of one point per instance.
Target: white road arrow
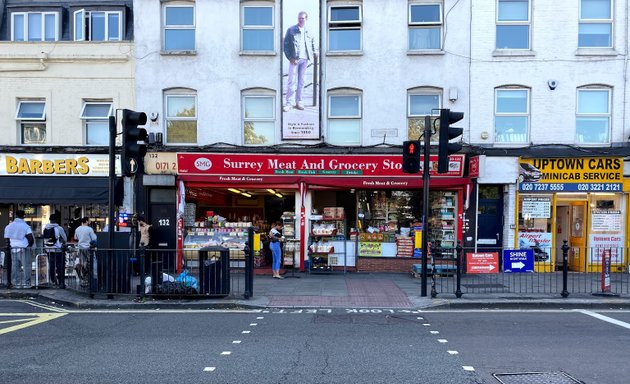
(518, 265)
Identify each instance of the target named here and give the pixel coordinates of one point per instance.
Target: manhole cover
(535, 378)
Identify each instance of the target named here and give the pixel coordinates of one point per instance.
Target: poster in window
(300, 70)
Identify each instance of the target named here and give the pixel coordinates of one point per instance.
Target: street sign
(484, 262)
(132, 166)
(518, 260)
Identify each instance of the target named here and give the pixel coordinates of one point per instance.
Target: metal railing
(202, 273)
(549, 276)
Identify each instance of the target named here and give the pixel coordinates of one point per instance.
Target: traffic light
(133, 152)
(447, 133)
(411, 156)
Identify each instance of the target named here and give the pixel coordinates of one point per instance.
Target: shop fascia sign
(304, 165)
(575, 174)
(50, 164)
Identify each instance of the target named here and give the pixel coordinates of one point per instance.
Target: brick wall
(386, 264)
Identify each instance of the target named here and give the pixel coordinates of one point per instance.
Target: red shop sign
(257, 165)
(485, 262)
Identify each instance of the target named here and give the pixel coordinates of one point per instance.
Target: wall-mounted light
(234, 190)
(246, 194)
(271, 191)
(279, 195)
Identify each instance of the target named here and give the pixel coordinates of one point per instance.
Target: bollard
(458, 256)
(565, 268)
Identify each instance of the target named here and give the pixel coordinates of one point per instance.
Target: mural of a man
(299, 49)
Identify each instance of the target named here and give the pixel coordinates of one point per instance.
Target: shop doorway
(490, 218)
(562, 231)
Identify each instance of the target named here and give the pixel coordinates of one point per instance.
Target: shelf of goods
(377, 244)
(443, 229)
(327, 247)
(231, 235)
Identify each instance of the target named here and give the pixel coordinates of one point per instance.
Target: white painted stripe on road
(209, 369)
(259, 318)
(453, 352)
(253, 324)
(426, 324)
(605, 318)
(435, 332)
(419, 318)
(443, 340)
(236, 342)
(468, 368)
(226, 353)
(246, 332)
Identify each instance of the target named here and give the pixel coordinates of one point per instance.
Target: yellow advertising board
(575, 174)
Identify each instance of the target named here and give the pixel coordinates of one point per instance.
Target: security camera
(153, 116)
(553, 84)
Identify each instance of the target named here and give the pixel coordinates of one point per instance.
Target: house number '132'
(164, 222)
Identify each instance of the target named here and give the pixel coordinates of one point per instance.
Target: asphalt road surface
(46, 344)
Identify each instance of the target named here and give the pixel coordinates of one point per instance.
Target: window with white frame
(31, 119)
(344, 118)
(34, 26)
(596, 24)
(592, 121)
(425, 26)
(95, 116)
(511, 115)
(178, 27)
(97, 25)
(513, 24)
(421, 103)
(259, 119)
(344, 28)
(181, 118)
(257, 28)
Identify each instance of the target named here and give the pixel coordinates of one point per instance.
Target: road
(43, 344)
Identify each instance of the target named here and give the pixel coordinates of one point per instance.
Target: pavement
(398, 291)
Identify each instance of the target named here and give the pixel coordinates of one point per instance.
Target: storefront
(343, 212)
(580, 200)
(71, 185)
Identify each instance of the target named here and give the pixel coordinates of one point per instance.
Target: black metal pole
(565, 268)
(112, 185)
(425, 203)
(458, 249)
(249, 264)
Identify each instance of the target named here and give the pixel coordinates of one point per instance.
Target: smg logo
(203, 164)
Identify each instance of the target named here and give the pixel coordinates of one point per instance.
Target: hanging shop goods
(586, 196)
(313, 174)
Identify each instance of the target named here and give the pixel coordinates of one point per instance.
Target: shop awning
(53, 190)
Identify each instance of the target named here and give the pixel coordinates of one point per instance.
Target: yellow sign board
(575, 174)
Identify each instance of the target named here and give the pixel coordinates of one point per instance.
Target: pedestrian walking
(55, 240)
(86, 240)
(19, 238)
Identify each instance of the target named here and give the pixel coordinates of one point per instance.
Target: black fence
(604, 272)
(199, 273)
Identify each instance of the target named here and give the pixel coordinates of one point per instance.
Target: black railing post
(565, 268)
(458, 249)
(249, 264)
(142, 272)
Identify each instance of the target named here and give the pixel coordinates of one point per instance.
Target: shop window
(595, 24)
(511, 116)
(35, 26)
(344, 119)
(181, 118)
(95, 116)
(513, 24)
(259, 120)
(344, 28)
(31, 117)
(257, 29)
(178, 27)
(419, 105)
(425, 27)
(535, 226)
(97, 25)
(592, 124)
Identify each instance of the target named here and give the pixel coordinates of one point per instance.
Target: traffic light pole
(112, 179)
(425, 204)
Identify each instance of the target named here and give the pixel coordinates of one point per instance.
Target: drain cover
(535, 378)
